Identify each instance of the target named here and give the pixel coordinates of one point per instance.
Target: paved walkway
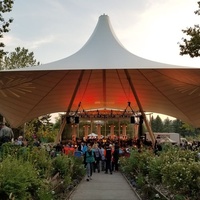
(104, 187)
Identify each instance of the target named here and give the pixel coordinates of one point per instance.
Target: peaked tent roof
(102, 51)
(101, 75)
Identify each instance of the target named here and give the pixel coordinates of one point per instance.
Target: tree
(191, 44)
(157, 124)
(46, 120)
(167, 125)
(177, 126)
(19, 58)
(188, 130)
(5, 6)
(40, 128)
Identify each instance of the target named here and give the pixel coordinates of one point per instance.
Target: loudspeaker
(76, 120)
(132, 120)
(68, 119)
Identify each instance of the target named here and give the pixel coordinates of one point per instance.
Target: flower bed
(30, 173)
(173, 174)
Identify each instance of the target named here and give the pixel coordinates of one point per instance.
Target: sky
(55, 29)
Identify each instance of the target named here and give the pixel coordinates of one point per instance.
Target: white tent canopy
(102, 51)
(101, 75)
(92, 135)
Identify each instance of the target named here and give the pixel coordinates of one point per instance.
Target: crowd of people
(97, 155)
(99, 158)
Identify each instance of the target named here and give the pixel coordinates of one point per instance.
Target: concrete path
(104, 187)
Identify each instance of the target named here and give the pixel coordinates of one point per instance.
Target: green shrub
(63, 165)
(139, 161)
(183, 176)
(126, 168)
(41, 161)
(178, 170)
(19, 180)
(26, 172)
(179, 197)
(78, 170)
(37, 156)
(8, 149)
(140, 180)
(155, 165)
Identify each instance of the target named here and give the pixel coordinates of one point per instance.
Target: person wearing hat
(6, 133)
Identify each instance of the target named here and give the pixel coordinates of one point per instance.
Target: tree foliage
(157, 124)
(40, 128)
(177, 126)
(173, 126)
(5, 6)
(167, 125)
(191, 44)
(19, 58)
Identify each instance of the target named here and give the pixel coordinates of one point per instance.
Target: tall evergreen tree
(177, 126)
(157, 124)
(167, 125)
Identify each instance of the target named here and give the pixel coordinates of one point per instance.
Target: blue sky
(55, 29)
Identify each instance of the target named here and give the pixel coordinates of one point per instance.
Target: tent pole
(58, 137)
(140, 107)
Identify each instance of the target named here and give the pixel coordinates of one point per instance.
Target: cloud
(150, 29)
(41, 41)
(12, 42)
